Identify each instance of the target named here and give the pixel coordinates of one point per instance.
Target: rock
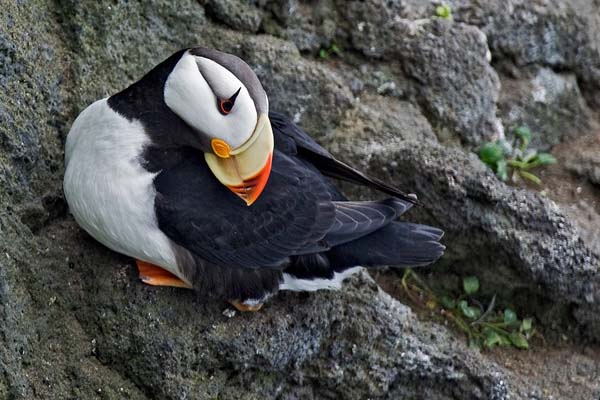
(76, 323)
(558, 34)
(586, 160)
(310, 93)
(235, 13)
(588, 220)
(311, 26)
(550, 104)
(522, 239)
(100, 330)
(458, 93)
(75, 320)
(448, 64)
(377, 123)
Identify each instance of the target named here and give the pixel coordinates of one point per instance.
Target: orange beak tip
(251, 189)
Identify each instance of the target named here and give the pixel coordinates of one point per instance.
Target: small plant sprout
(325, 53)
(484, 326)
(443, 11)
(515, 160)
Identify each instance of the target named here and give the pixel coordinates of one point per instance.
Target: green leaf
(517, 164)
(335, 49)
(468, 311)
(531, 177)
(504, 341)
(524, 134)
(323, 53)
(526, 325)
(545, 159)
(447, 302)
(470, 285)
(518, 340)
(443, 11)
(510, 317)
(492, 338)
(491, 153)
(529, 157)
(502, 170)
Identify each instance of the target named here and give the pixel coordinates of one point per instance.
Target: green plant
(515, 159)
(484, 326)
(443, 11)
(325, 53)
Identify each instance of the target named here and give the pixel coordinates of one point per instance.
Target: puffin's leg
(150, 274)
(245, 307)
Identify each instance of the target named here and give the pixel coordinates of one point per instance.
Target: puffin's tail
(398, 244)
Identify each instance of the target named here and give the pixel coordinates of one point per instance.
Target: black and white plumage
(137, 181)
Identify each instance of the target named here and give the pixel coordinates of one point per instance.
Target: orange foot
(244, 307)
(150, 274)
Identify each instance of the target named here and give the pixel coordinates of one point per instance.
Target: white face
(193, 91)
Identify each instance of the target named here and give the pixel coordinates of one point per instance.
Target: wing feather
(293, 140)
(300, 212)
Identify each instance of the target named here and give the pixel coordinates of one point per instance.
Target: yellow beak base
(245, 170)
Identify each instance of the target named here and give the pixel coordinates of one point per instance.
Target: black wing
(293, 213)
(299, 212)
(292, 140)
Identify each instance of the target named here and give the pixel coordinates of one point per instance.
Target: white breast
(109, 193)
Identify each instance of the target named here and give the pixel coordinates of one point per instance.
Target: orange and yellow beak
(245, 170)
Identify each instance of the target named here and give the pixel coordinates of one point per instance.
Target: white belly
(109, 193)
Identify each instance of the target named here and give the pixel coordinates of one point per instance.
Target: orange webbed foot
(245, 307)
(150, 274)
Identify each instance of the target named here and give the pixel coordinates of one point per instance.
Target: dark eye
(226, 105)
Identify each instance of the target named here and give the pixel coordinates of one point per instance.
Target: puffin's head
(221, 98)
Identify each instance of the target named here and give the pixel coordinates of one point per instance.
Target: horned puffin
(188, 172)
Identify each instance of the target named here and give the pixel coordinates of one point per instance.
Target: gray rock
(522, 239)
(448, 64)
(586, 161)
(377, 123)
(310, 25)
(236, 14)
(76, 323)
(282, 10)
(588, 220)
(550, 104)
(562, 35)
(102, 333)
(310, 93)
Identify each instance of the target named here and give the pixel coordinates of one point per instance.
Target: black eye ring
(225, 106)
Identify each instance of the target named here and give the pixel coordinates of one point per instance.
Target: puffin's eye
(225, 106)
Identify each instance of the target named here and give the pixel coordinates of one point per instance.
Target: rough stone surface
(561, 35)
(235, 13)
(586, 162)
(379, 122)
(458, 89)
(182, 348)
(76, 323)
(558, 34)
(521, 239)
(550, 104)
(310, 93)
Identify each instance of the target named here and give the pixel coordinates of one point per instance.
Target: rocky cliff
(406, 96)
